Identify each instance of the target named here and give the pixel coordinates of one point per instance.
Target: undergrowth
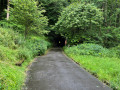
(13, 48)
(102, 62)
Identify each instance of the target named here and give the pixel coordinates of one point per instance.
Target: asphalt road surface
(55, 71)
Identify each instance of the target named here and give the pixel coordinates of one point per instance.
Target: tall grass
(99, 61)
(13, 48)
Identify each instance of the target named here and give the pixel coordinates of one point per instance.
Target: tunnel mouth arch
(56, 39)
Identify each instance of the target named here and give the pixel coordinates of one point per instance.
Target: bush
(89, 49)
(7, 54)
(24, 54)
(9, 38)
(41, 46)
(116, 50)
(37, 45)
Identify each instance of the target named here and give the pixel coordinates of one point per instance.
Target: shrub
(24, 54)
(116, 50)
(89, 49)
(41, 47)
(9, 38)
(7, 54)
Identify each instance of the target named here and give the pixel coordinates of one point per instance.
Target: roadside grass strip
(105, 68)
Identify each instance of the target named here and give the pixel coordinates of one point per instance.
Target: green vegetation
(91, 21)
(92, 30)
(31, 18)
(53, 9)
(31, 24)
(21, 40)
(101, 62)
(14, 48)
(78, 20)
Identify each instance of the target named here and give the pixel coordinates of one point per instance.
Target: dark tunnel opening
(56, 39)
(59, 41)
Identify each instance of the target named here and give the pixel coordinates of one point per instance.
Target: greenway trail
(55, 71)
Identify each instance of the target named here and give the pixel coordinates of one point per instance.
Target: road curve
(55, 71)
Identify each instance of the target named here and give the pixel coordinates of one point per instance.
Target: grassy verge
(107, 69)
(12, 77)
(14, 48)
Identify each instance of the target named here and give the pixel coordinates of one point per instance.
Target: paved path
(55, 71)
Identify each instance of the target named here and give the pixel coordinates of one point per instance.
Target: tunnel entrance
(59, 41)
(56, 39)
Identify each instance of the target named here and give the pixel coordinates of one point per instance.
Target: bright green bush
(24, 54)
(89, 49)
(37, 45)
(9, 38)
(7, 54)
(41, 46)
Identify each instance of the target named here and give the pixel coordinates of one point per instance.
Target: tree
(8, 7)
(53, 9)
(79, 22)
(27, 13)
(3, 6)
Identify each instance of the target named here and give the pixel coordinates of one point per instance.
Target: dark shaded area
(55, 71)
(56, 39)
(53, 9)
(59, 41)
(3, 6)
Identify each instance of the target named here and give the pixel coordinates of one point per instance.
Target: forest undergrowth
(14, 48)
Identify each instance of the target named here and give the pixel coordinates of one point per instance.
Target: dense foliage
(77, 21)
(90, 21)
(14, 48)
(53, 9)
(95, 50)
(101, 62)
(2, 7)
(31, 18)
(91, 27)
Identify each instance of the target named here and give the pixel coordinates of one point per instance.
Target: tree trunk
(26, 32)
(106, 11)
(8, 8)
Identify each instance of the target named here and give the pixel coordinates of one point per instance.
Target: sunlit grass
(12, 76)
(13, 49)
(105, 68)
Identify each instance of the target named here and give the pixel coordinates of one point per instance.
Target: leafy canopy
(78, 20)
(53, 9)
(27, 13)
